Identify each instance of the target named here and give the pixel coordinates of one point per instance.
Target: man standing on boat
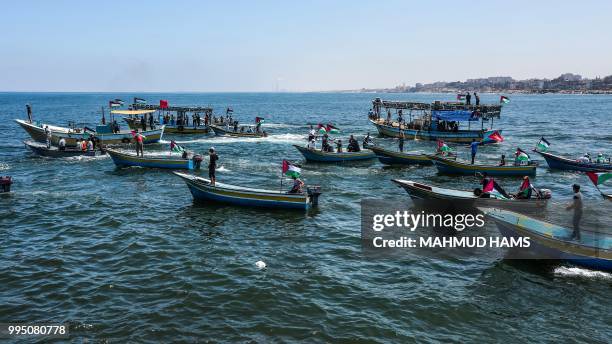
(212, 165)
(139, 144)
(468, 98)
(474, 146)
(29, 110)
(477, 99)
(577, 206)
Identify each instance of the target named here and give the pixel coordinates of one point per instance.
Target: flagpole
(281, 179)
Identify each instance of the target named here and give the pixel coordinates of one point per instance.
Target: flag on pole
(115, 103)
(291, 170)
(176, 148)
(461, 97)
(543, 145)
(494, 137)
(259, 120)
(331, 129)
(599, 177)
(229, 110)
(163, 104)
(521, 155)
(504, 100)
(139, 101)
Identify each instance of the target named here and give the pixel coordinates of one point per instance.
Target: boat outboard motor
(545, 193)
(313, 193)
(197, 161)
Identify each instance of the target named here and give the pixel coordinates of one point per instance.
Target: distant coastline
(567, 83)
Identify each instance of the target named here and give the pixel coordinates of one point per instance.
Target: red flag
(593, 177)
(526, 184)
(489, 186)
(163, 104)
(133, 133)
(496, 136)
(285, 166)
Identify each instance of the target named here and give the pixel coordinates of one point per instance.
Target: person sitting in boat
(489, 185)
(600, 158)
(250, 130)
(242, 129)
(367, 141)
(525, 190)
(297, 186)
(502, 161)
(62, 144)
(521, 158)
(586, 158)
(443, 148)
(90, 145)
(84, 145)
(353, 145)
(339, 146)
(235, 126)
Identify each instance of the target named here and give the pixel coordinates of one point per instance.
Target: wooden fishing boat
(135, 124)
(320, 156)
(102, 133)
(123, 159)
(561, 163)
(202, 191)
(457, 167)
(220, 131)
(467, 199)
(55, 152)
(389, 157)
(429, 121)
(593, 250)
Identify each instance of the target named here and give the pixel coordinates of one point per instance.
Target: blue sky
(298, 45)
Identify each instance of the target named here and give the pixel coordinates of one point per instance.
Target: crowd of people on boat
(326, 143)
(600, 159)
(491, 189)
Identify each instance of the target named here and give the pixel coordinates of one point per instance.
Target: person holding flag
(521, 157)
(504, 100)
(258, 122)
(294, 172)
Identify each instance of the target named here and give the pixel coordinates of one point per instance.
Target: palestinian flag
(331, 129)
(139, 101)
(599, 177)
(176, 148)
(504, 100)
(461, 97)
(494, 137)
(259, 120)
(291, 170)
(115, 103)
(321, 129)
(521, 155)
(543, 145)
(229, 110)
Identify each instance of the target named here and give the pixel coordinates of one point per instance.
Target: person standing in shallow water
(401, 140)
(212, 165)
(577, 206)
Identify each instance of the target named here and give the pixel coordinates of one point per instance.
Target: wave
(581, 272)
(4, 166)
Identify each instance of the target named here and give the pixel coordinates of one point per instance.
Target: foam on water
(566, 271)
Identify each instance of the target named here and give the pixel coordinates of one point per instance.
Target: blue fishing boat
(593, 250)
(561, 163)
(123, 159)
(436, 121)
(320, 156)
(389, 157)
(457, 167)
(202, 190)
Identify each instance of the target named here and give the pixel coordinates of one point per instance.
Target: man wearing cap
(212, 165)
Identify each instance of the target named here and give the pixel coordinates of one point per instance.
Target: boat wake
(565, 271)
(4, 166)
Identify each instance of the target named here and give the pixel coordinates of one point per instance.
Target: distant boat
(390, 157)
(55, 152)
(456, 167)
(467, 199)
(320, 156)
(561, 163)
(594, 250)
(202, 190)
(123, 159)
(219, 131)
